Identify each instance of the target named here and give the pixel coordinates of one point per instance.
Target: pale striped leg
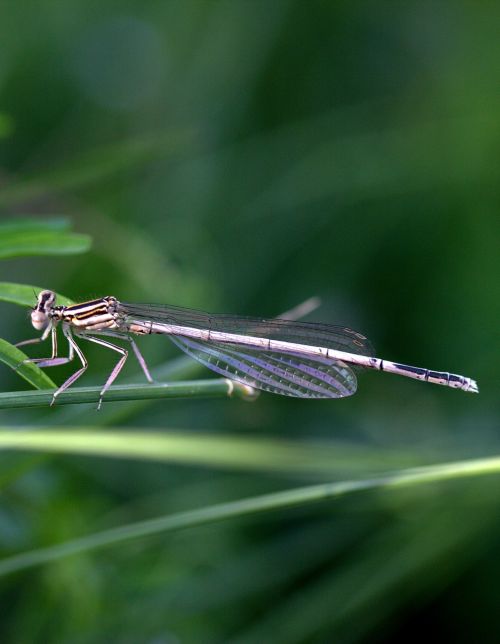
(53, 361)
(73, 348)
(42, 338)
(138, 354)
(117, 368)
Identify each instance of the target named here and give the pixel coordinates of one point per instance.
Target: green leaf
(22, 242)
(32, 224)
(222, 450)
(25, 295)
(287, 499)
(13, 357)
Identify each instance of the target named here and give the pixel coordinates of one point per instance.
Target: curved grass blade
(21, 243)
(13, 357)
(244, 507)
(32, 224)
(218, 451)
(234, 452)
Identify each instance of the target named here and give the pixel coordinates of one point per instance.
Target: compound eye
(46, 300)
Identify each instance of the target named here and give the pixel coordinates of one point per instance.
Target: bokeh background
(241, 157)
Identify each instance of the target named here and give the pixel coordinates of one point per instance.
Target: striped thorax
(94, 315)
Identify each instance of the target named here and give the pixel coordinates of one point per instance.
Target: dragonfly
(281, 356)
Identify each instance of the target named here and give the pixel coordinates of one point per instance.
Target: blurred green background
(242, 156)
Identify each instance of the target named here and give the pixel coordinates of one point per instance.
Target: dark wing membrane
(287, 374)
(313, 333)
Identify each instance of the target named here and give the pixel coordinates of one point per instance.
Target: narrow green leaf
(253, 505)
(13, 357)
(19, 243)
(25, 294)
(220, 450)
(32, 224)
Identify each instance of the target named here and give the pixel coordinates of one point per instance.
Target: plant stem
(242, 507)
(214, 388)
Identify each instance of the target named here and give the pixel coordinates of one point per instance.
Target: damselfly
(301, 359)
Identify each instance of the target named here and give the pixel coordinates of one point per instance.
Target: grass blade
(21, 243)
(227, 451)
(13, 357)
(35, 225)
(249, 506)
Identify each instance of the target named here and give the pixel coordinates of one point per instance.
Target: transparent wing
(313, 333)
(282, 373)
